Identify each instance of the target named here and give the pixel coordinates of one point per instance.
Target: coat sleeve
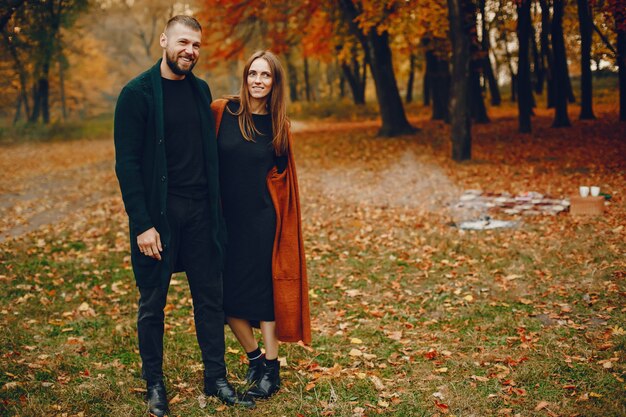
(129, 130)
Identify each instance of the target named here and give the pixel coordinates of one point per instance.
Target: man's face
(181, 48)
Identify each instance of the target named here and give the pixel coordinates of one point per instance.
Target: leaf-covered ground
(411, 316)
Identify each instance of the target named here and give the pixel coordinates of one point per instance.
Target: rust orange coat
(289, 278)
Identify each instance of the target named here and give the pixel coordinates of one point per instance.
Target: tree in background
(559, 71)
(33, 34)
(461, 20)
(617, 9)
(485, 42)
(367, 21)
(524, 86)
(431, 29)
(478, 111)
(585, 21)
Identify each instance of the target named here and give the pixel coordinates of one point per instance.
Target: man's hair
(184, 20)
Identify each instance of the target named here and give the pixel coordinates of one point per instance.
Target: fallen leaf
(377, 383)
(355, 353)
(202, 401)
(443, 407)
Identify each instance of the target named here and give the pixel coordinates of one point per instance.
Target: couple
(182, 204)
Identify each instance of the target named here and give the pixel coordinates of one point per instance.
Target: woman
(265, 283)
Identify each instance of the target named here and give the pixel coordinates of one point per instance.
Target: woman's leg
(243, 332)
(270, 381)
(268, 331)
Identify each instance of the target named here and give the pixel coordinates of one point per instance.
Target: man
(166, 164)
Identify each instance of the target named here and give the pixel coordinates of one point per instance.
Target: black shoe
(223, 391)
(255, 372)
(157, 399)
(269, 383)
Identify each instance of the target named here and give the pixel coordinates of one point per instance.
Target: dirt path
(42, 183)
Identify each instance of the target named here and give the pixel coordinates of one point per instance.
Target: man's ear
(163, 40)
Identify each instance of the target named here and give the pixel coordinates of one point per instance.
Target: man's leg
(150, 325)
(151, 317)
(205, 282)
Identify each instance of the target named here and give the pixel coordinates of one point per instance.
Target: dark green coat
(141, 168)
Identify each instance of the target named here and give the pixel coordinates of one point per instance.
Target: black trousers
(190, 247)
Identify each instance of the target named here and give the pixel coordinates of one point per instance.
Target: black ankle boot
(223, 391)
(255, 371)
(157, 399)
(269, 383)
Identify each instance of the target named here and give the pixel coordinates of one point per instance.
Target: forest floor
(411, 315)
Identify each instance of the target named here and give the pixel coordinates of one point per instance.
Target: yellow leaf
(356, 341)
(355, 353)
(618, 331)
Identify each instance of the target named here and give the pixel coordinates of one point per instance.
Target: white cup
(595, 191)
(584, 191)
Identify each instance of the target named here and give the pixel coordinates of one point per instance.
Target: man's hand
(149, 243)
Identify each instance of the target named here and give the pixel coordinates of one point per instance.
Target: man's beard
(173, 64)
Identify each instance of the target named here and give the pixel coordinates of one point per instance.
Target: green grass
(93, 128)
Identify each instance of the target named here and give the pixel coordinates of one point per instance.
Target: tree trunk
(44, 96)
(18, 109)
(36, 104)
(459, 109)
(62, 90)
(342, 81)
(586, 83)
(621, 62)
(524, 86)
(561, 90)
(23, 76)
(426, 88)
(378, 55)
(509, 60)
(409, 84)
(353, 75)
(292, 73)
(439, 85)
(476, 102)
(538, 62)
(494, 90)
(478, 111)
(546, 51)
(307, 84)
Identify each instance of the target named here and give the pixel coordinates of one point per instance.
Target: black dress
(250, 217)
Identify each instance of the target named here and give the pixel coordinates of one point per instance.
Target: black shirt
(183, 140)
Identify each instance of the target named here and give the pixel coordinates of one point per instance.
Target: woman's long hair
(276, 104)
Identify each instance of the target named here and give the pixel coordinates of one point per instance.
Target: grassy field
(411, 316)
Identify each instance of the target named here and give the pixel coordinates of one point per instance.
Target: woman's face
(260, 79)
